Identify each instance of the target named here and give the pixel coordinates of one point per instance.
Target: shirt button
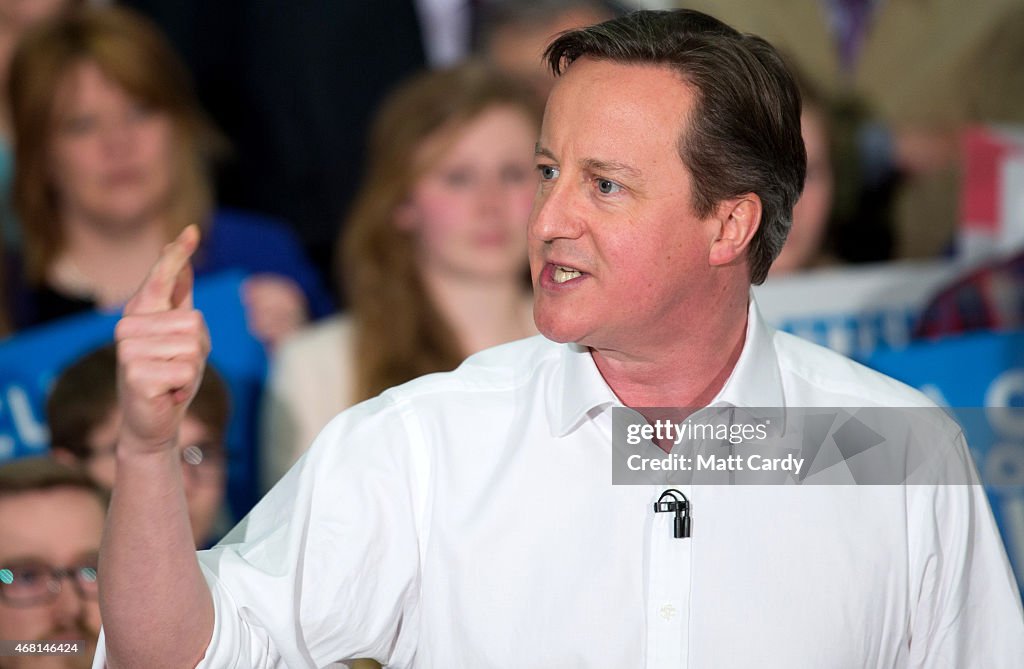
(667, 612)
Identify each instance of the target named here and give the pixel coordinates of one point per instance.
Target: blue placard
(975, 375)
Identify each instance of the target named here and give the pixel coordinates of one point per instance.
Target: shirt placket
(668, 592)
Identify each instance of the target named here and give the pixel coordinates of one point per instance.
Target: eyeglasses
(34, 583)
(204, 461)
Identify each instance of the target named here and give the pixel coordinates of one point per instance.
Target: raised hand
(162, 344)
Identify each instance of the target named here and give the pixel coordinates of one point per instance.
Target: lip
(123, 177)
(547, 278)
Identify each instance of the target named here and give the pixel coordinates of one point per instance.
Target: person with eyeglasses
(84, 421)
(51, 521)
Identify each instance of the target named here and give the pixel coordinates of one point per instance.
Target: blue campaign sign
(981, 378)
(30, 361)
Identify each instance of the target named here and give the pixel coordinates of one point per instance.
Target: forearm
(156, 607)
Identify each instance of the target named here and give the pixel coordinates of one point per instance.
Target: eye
(608, 187)
(79, 125)
(139, 112)
(87, 574)
(515, 174)
(458, 177)
(27, 575)
(548, 172)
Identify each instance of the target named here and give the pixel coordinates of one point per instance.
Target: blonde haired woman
(434, 253)
(111, 162)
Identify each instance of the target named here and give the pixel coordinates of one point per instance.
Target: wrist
(133, 449)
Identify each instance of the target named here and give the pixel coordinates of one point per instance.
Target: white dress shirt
(468, 520)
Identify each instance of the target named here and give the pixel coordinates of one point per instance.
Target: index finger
(162, 289)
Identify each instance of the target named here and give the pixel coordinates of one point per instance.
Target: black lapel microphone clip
(679, 505)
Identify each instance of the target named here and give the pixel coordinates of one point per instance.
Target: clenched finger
(178, 321)
(153, 379)
(166, 347)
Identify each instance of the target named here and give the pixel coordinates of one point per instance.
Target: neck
(481, 313)
(105, 265)
(688, 368)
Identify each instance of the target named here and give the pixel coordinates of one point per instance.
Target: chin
(555, 328)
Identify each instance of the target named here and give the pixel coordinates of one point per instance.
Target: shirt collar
(755, 381)
(578, 389)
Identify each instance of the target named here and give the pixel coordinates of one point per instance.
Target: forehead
(56, 525)
(193, 430)
(603, 102)
(491, 135)
(81, 86)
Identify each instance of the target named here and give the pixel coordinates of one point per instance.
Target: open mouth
(561, 274)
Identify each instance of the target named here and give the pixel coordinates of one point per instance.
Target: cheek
(522, 203)
(92, 616)
(158, 149)
(103, 471)
(72, 164)
(439, 215)
(204, 499)
(28, 623)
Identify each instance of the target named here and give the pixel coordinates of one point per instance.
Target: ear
(738, 219)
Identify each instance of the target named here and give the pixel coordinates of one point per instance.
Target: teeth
(563, 274)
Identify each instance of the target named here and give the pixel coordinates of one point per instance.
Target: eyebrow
(539, 150)
(612, 168)
(609, 167)
(18, 560)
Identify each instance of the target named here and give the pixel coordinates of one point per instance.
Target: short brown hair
(86, 392)
(744, 133)
(40, 473)
(132, 52)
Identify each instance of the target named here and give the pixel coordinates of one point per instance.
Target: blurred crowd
(363, 174)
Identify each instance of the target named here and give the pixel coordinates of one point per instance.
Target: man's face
(204, 477)
(614, 208)
(58, 528)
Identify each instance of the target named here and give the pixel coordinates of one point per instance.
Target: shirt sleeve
(968, 608)
(326, 567)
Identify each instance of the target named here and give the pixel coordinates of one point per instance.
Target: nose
(69, 605)
(555, 215)
(189, 476)
(118, 135)
(491, 196)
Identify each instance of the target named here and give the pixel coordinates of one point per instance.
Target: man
(467, 519)
(51, 519)
(84, 421)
